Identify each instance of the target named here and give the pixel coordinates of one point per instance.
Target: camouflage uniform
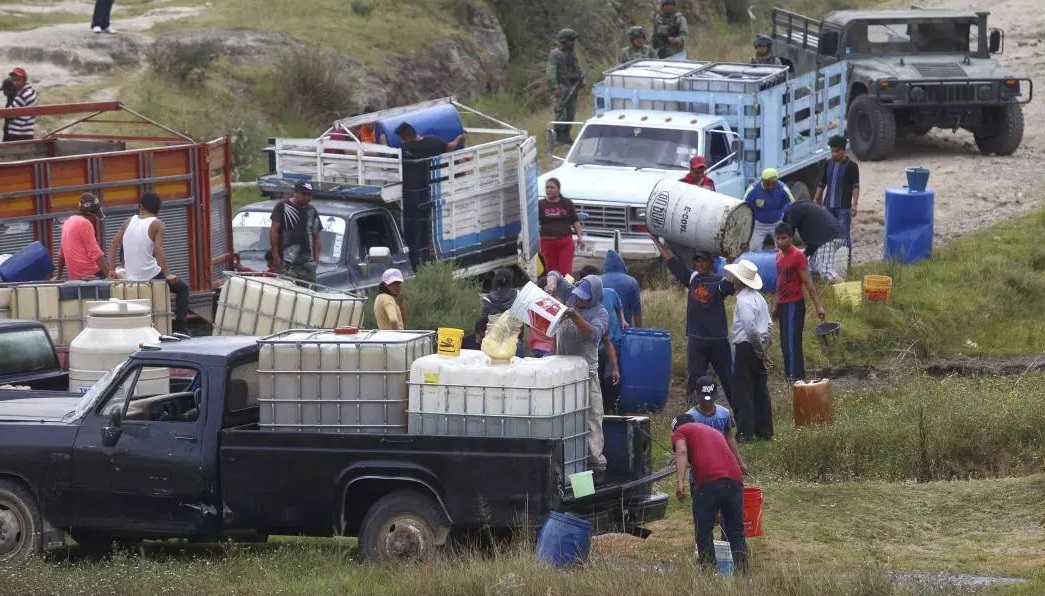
(765, 42)
(630, 52)
(669, 26)
(767, 59)
(564, 71)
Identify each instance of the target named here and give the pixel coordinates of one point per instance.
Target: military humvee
(910, 71)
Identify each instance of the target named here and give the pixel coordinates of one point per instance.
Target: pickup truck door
(376, 229)
(723, 165)
(138, 462)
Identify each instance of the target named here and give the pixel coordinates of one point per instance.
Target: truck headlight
(984, 92)
(1010, 88)
(637, 220)
(918, 94)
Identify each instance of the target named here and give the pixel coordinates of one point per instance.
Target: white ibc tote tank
(115, 330)
(699, 218)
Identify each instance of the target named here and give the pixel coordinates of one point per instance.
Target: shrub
(435, 299)
(318, 87)
(182, 64)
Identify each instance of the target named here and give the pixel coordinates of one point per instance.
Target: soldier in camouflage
(565, 78)
(669, 30)
(637, 48)
(764, 51)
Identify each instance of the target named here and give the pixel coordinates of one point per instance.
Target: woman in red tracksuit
(558, 219)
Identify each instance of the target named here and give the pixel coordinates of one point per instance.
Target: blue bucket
(917, 179)
(564, 540)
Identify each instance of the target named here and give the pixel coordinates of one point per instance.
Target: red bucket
(752, 512)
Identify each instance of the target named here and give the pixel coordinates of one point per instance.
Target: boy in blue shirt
(707, 412)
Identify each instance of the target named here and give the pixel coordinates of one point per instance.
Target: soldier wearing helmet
(564, 78)
(764, 51)
(669, 30)
(637, 48)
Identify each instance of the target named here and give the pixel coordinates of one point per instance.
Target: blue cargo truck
(647, 126)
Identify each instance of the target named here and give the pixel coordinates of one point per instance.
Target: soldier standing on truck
(764, 51)
(295, 235)
(565, 78)
(637, 48)
(670, 30)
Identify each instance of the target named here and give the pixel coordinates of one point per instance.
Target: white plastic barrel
(115, 330)
(698, 218)
(260, 305)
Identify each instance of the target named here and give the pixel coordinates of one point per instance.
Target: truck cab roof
(208, 351)
(841, 18)
(327, 207)
(656, 118)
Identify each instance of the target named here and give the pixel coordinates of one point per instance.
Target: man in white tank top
(141, 239)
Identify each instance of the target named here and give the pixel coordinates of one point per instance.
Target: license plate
(587, 251)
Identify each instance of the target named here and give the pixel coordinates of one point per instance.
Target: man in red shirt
(792, 277)
(718, 487)
(697, 176)
(79, 247)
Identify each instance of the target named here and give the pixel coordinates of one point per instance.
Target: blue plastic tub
(917, 179)
(645, 370)
(441, 121)
(564, 540)
(765, 262)
(32, 263)
(908, 224)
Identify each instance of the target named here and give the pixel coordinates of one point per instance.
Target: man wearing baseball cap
(20, 94)
(697, 176)
(769, 197)
(79, 247)
(705, 411)
(295, 235)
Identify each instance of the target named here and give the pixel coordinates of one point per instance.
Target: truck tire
(21, 526)
(871, 129)
(404, 526)
(1003, 126)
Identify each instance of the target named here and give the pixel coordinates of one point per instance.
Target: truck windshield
(906, 38)
(635, 147)
(250, 235)
(91, 397)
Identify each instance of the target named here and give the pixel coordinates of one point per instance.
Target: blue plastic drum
(32, 263)
(765, 262)
(564, 540)
(441, 121)
(908, 225)
(645, 370)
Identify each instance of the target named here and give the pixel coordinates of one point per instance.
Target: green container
(583, 484)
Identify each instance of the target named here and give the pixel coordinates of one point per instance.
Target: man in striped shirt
(21, 128)
(839, 188)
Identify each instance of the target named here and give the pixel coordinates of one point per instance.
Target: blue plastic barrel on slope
(908, 224)
(645, 370)
(564, 540)
(765, 262)
(441, 121)
(32, 263)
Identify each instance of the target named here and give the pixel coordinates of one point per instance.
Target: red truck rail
(104, 150)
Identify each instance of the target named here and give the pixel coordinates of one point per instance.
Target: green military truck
(909, 71)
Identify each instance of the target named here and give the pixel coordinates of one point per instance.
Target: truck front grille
(604, 217)
(950, 93)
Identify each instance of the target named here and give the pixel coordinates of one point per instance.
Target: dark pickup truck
(167, 445)
(28, 358)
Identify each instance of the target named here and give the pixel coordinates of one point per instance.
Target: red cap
(346, 331)
(698, 162)
(19, 72)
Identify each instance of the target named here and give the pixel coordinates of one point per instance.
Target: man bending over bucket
(586, 324)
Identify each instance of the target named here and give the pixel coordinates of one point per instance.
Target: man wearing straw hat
(750, 336)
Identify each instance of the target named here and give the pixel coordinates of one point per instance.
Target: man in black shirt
(822, 235)
(295, 235)
(839, 187)
(416, 151)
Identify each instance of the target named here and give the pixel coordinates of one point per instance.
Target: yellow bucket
(450, 341)
(877, 287)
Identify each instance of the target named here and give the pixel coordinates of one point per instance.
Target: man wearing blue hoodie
(616, 277)
(585, 327)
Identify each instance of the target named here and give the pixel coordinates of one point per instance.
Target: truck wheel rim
(12, 531)
(405, 538)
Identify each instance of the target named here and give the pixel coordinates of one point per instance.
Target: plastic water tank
(39, 302)
(441, 121)
(259, 305)
(115, 330)
(908, 224)
(699, 218)
(343, 381)
(645, 370)
(765, 262)
(32, 263)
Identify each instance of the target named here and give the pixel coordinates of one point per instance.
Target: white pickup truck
(741, 118)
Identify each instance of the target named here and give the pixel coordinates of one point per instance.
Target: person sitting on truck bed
(144, 259)
(697, 176)
(296, 233)
(670, 30)
(388, 306)
(637, 48)
(768, 197)
(79, 248)
(764, 51)
(586, 324)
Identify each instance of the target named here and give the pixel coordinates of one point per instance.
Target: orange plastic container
(812, 402)
(877, 287)
(752, 512)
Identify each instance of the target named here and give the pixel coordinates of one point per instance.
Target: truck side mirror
(379, 254)
(994, 42)
(828, 44)
(111, 432)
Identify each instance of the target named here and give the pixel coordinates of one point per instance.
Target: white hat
(747, 273)
(391, 276)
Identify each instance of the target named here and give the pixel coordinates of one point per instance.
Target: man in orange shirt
(79, 248)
